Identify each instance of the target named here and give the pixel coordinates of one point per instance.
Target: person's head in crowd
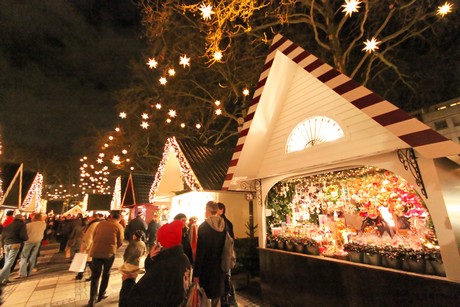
(138, 235)
(115, 214)
(181, 217)
(38, 217)
(221, 208)
(170, 234)
(19, 217)
(9, 213)
(211, 208)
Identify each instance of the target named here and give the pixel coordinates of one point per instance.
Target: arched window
(313, 131)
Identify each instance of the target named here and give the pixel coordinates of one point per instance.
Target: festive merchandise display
(365, 214)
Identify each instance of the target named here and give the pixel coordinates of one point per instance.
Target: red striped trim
(239, 147)
(244, 132)
(312, 66)
(289, 49)
(392, 117)
(234, 162)
(302, 56)
(249, 116)
(267, 65)
(367, 101)
(423, 137)
(275, 45)
(228, 177)
(346, 87)
(331, 74)
(254, 101)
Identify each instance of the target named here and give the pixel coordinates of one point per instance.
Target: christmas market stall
(135, 197)
(357, 199)
(23, 189)
(191, 174)
(97, 203)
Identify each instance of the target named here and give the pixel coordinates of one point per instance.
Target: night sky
(60, 62)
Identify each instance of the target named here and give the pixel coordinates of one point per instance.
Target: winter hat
(170, 234)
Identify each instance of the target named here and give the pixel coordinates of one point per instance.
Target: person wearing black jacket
(167, 273)
(13, 236)
(229, 298)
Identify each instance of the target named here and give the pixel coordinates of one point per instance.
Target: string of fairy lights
(94, 173)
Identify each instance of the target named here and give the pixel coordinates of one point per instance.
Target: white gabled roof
(290, 69)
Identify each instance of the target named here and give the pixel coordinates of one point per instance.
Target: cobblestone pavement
(54, 285)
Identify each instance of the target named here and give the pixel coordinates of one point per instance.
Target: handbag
(196, 297)
(78, 262)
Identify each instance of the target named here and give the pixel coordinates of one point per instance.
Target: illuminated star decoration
(371, 45)
(206, 11)
(122, 115)
(171, 72)
(163, 80)
(99, 160)
(217, 56)
(145, 125)
(172, 113)
(158, 106)
(152, 63)
(145, 116)
(444, 9)
(351, 6)
(184, 61)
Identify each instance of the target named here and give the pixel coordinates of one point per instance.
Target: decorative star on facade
(122, 115)
(206, 11)
(163, 81)
(371, 45)
(444, 9)
(184, 61)
(152, 63)
(145, 125)
(351, 6)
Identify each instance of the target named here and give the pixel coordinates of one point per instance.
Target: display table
(293, 279)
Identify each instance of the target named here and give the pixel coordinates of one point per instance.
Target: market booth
(191, 174)
(135, 197)
(357, 199)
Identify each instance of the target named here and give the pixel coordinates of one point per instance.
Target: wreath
(332, 193)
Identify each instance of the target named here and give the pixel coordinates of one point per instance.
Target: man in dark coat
(151, 234)
(12, 236)
(228, 299)
(137, 223)
(207, 270)
(167, 274)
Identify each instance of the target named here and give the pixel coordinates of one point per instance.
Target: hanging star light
(350, 7)
(122, 115)
(152, 63)
(218, 112)
(172, 113)
(206, 11)
(124, 151)
(158, 106)
(371, 45)
(101, 155)
(168, 120)
(117, 129)
(444, 9)
(198, 126)
(217, 102)
(116, 160)
(163, 81)
(145, 125)
(99, 160)
(245, 92)
(182, 125)
(145, 116)
(217, 56)
(184, 61)
(171, 72)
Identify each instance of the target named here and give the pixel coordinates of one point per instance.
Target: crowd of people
(175, 255)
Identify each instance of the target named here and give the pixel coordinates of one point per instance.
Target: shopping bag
(196, 297)
(78, 262)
